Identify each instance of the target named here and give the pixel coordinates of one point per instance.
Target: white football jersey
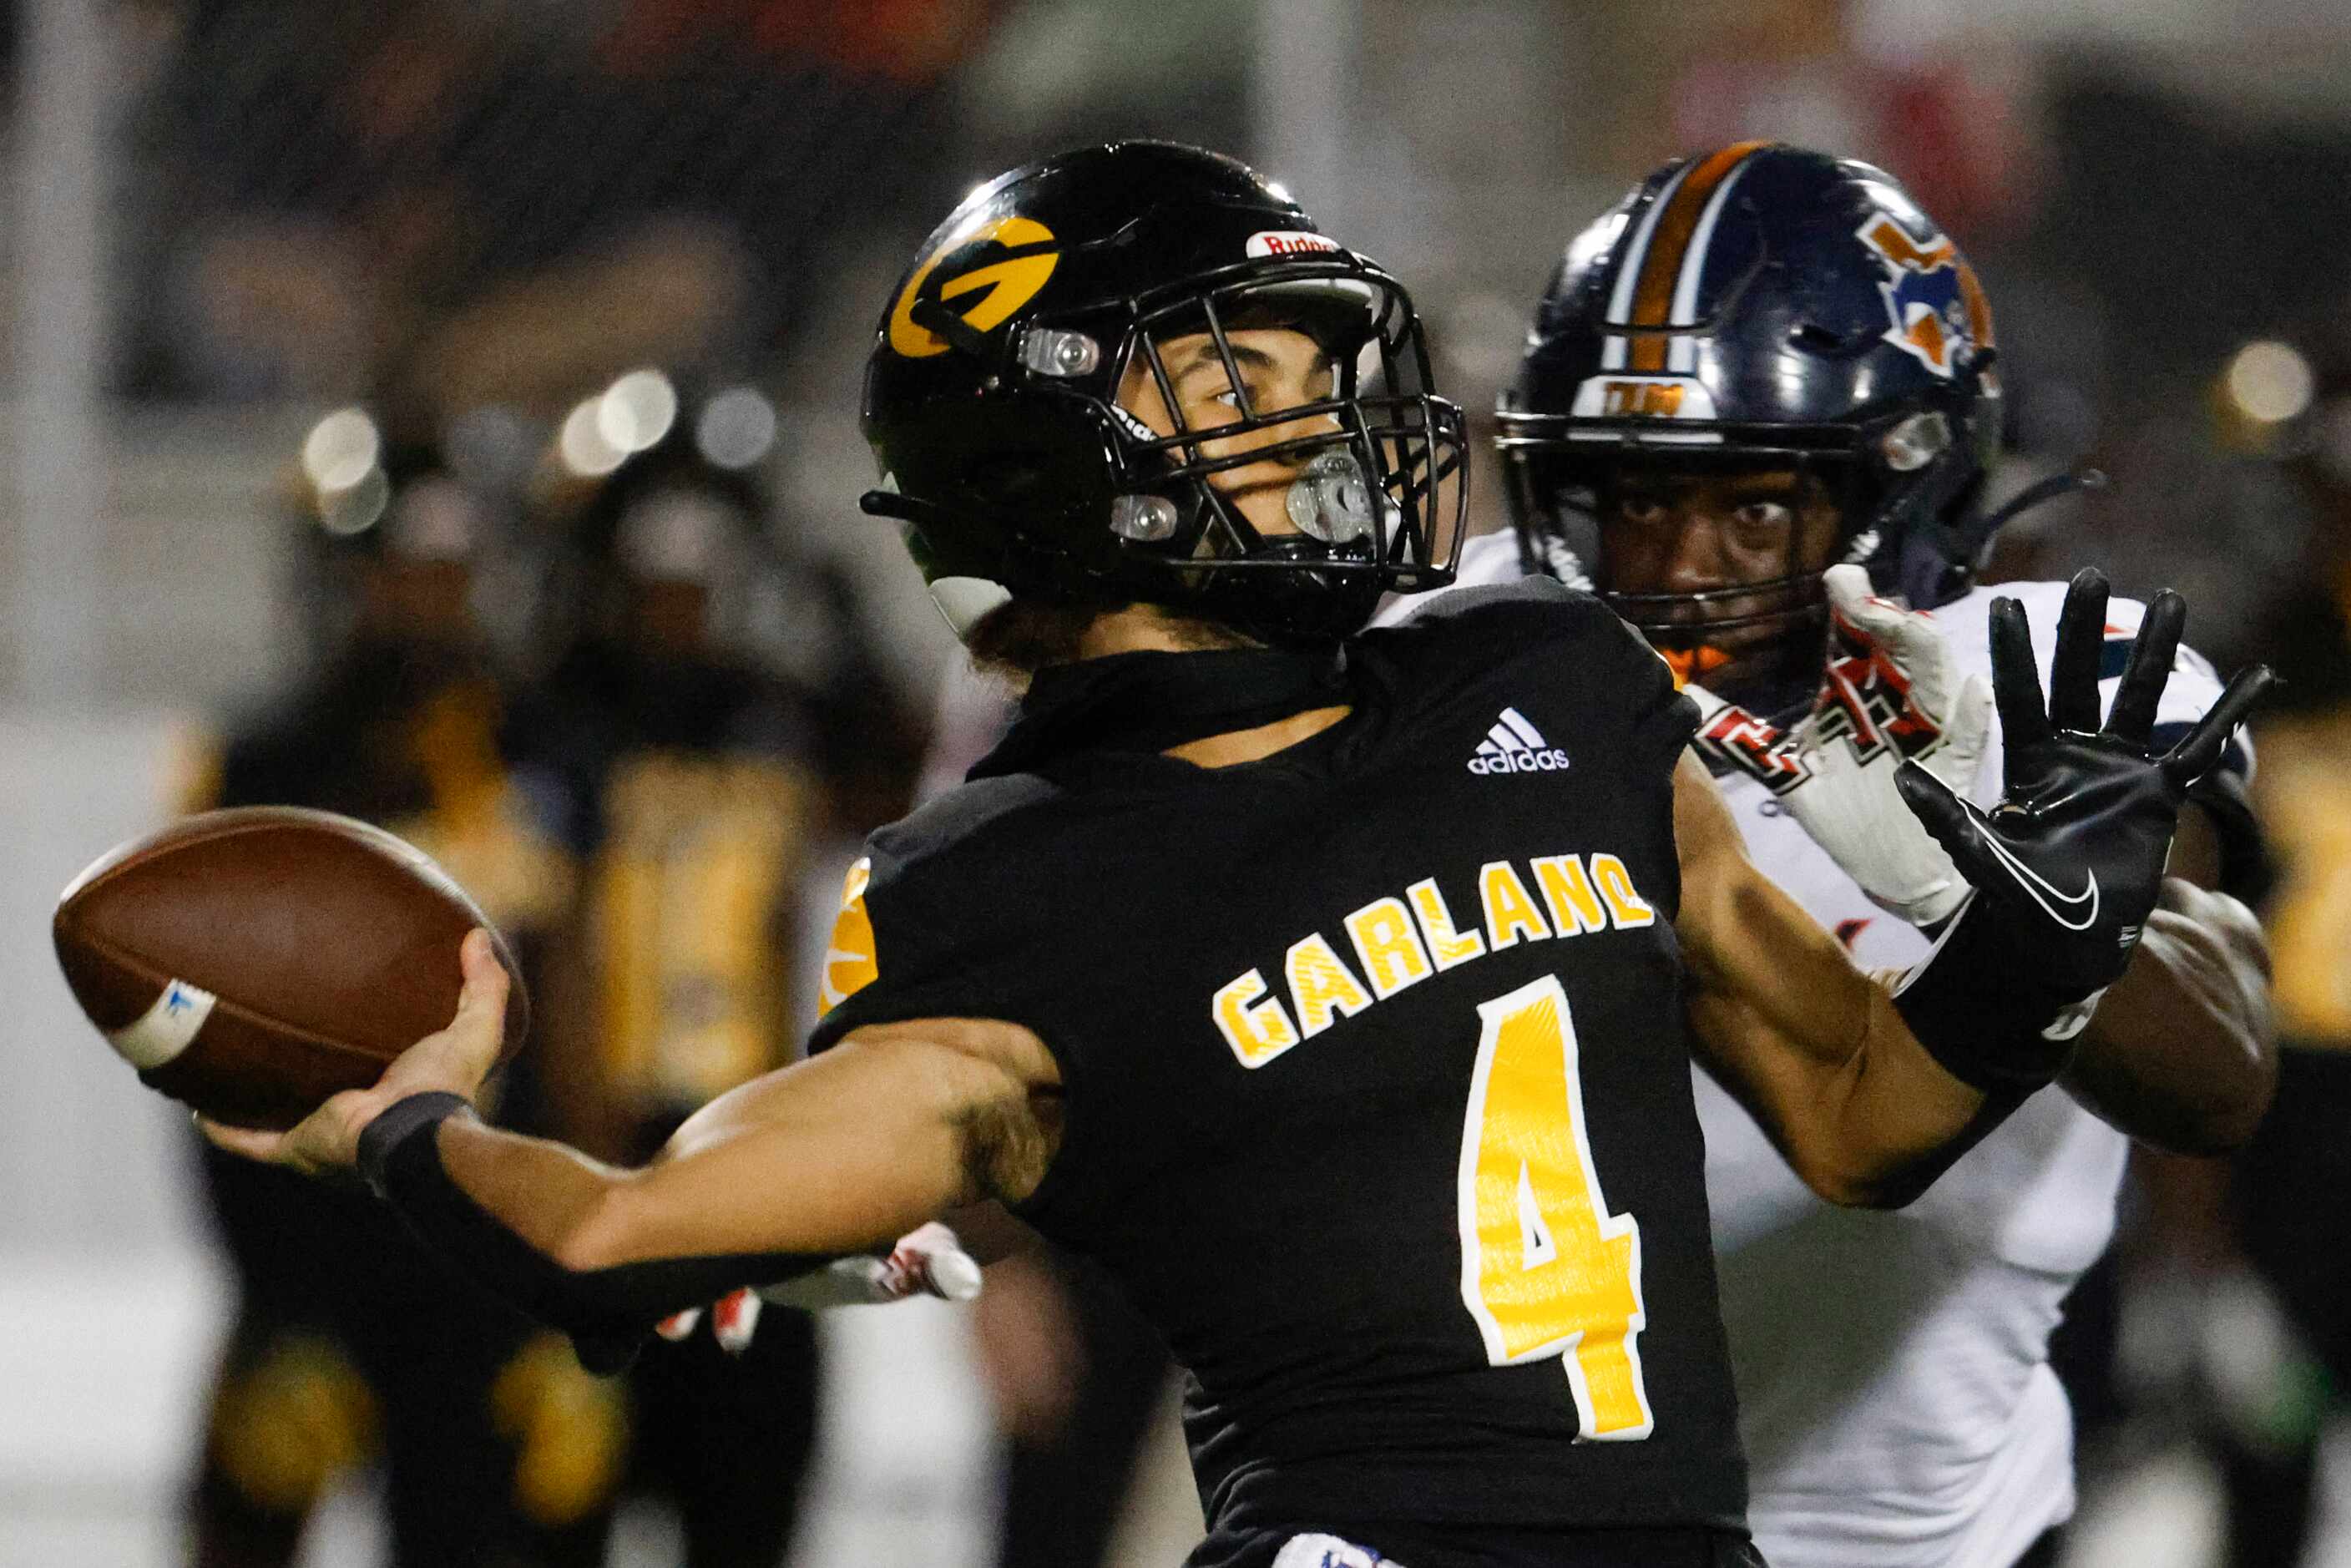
(1894, 1387)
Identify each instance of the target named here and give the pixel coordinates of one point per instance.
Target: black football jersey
(1377, 1084)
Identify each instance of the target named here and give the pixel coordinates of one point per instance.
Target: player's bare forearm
(2182, 1052)
(838, 1154)
(1812, 1046)
(547, 1193)
(843, 1153)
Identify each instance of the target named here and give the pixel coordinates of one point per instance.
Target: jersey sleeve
(934, 924)
(884, 962)
(1663, 715)
(930, 916)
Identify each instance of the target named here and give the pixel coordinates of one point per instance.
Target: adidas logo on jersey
(1514, 746)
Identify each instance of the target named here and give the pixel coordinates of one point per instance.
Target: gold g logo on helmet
(1003, 285)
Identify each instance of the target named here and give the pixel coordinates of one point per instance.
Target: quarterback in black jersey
(1336, 994)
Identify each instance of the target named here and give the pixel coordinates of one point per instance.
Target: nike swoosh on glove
(1891, 691)
(2066, 867)
(928, 1260)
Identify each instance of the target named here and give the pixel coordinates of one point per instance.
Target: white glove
(733, 1318)
(928, 1260)
(1891, 691)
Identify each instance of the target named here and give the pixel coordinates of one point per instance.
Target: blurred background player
(1077, 1377)
(441, 210)
(1762, 363)
(695, 784)
(351, 1344)
(2286, 1202)
(2229, 1315)
(706, 717)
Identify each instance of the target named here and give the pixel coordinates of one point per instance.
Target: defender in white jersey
(1895, 1394)
(1763, 363)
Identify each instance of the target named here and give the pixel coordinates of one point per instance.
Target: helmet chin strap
(965, 602)
(1938, 557)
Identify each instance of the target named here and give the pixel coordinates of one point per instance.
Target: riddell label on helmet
(1289, 241)
(1642, 397)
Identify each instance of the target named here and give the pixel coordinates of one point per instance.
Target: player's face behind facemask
(1759, 308)
(1202, 382)
(1289, 422)
(1719, 567)
(1196, 382)
(1259, 408)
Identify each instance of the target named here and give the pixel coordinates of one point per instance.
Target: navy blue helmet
(992, 402)
(1760, 306)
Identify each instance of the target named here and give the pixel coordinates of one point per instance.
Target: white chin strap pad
(1329, 1552)
(964, 600)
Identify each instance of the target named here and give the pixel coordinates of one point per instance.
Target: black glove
(2066, 868)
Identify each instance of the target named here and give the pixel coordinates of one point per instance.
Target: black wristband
(1989, 1028)
(399, 1122)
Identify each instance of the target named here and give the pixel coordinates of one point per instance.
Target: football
(252, 962)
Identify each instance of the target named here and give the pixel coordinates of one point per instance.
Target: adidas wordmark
(1514, 746)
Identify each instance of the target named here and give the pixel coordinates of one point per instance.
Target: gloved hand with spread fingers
(2066, 867)
(1891, 692)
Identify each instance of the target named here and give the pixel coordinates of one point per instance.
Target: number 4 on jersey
(1545, 1269)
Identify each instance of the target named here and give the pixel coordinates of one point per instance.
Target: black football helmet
(992, 402)
(1760, 306)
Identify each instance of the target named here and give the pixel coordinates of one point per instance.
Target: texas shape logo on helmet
(1009, 281)
(1939, 315)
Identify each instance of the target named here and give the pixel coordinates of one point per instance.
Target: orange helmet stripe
(1653, 294)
